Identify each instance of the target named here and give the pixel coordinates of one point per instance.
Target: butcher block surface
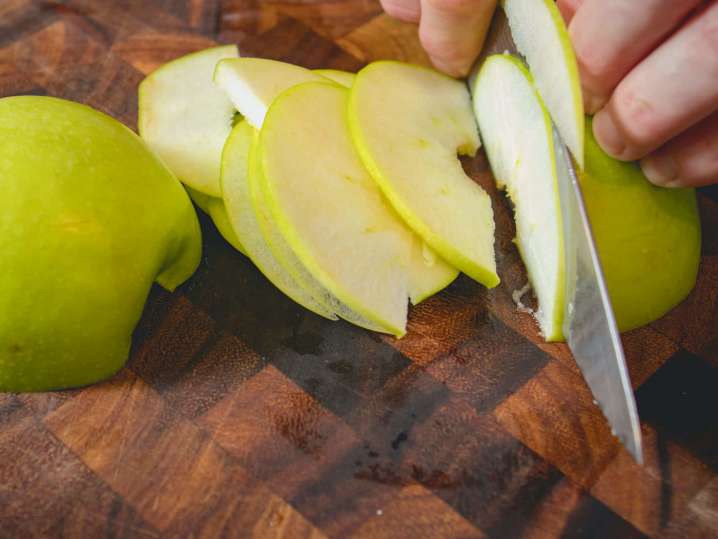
(240, 414)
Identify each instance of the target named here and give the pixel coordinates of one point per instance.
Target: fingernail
(607, 134)
(661, 170)
(592, 103)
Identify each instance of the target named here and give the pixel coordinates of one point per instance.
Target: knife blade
(589, 324)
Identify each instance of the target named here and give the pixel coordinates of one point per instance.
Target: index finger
(453, 31)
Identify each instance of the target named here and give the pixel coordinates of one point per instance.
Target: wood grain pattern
(239, 414)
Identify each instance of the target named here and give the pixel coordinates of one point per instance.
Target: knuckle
(399, 10)
(641, 120)
(454, 6)
(443, 47)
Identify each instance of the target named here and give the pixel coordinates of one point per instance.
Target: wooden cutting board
(241, 414)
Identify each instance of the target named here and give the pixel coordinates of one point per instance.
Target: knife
(589, 324)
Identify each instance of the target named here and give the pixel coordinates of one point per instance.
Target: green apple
(186, 119)
(345, 78)
(648, 237)
(328, 208)
(540, 35)
(517, 134)
(244, 220)
(215, 208)
(89, 219)
(408, 123)
(253, 84)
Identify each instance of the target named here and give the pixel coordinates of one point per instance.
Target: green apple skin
(648, 237)
(89, 218)
(215, 208)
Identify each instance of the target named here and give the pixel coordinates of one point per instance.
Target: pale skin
(649, 73)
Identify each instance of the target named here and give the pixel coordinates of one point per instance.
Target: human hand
(451, 31)
(649, 72)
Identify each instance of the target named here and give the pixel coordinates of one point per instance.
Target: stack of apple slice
(514, 112)
(345, 191)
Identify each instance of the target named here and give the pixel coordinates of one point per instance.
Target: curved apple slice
(345, 78)
(214, 207)
(186, 119)
(329, 209)
(518, 138)
(220, 217)
(408, 123)
(284, 253)
(540, 34)
(253, 83)
(236, 195)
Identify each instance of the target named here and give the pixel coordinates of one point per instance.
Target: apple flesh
(329, 209)
(253, 84)
(215, 208)
(186, 119)
(517, 134)
(648, 237)
(90, 218)
(345, 78)
(244, 221)
(540, 34)
(408, 124)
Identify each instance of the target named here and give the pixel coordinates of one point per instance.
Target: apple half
(540, 34)
(237, 198)
(329, 209)
(408, 124)
(517, 134)
(648, 237)
(186, 119)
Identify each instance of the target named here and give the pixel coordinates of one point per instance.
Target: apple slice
(215, 208)
(253, 83)
(345, 78)
(186, 119)
(284, 253)
(329, 209)
(540, 35)
(236, 195)
(408, 123)
(518, 138)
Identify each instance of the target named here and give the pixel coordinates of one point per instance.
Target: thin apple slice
(408, 123)
(236, 195)
(329, 209)
(518, 138)
(253, 83)
(186, 119)
(345, 78)
(540, 34)
(215, 208)
(220, 218)
(200, 199)
(284, 253)
(428, 274)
